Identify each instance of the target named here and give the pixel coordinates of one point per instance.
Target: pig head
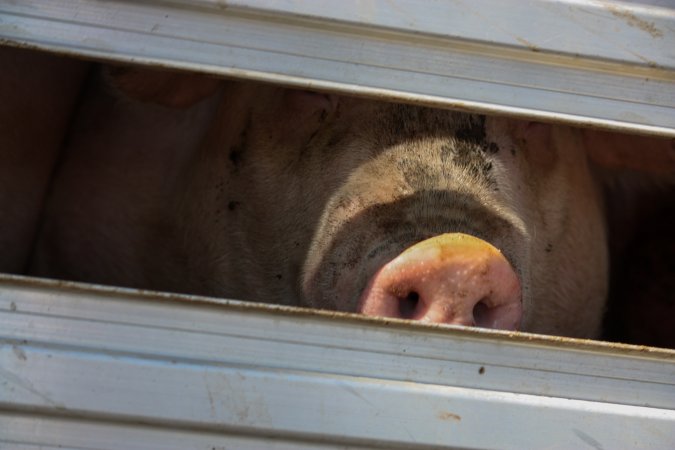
(257, 192)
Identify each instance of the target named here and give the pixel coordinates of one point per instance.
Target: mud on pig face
(324, 193)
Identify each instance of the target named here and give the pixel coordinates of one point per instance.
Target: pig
(237, 189)
(38, 95)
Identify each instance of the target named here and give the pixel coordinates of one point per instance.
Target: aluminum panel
(596, 63)
(102, 360)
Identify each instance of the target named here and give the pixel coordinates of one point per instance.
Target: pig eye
(307, 103)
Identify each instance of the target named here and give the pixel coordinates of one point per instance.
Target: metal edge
(388, 94)
(520, 338)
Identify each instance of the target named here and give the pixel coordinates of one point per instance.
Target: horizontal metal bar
(82, 357)
(594, 63)
(19, 433)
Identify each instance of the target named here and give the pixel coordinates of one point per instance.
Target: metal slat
(600, 63)
(169, 368)
(91, 434)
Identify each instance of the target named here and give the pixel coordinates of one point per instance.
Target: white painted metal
(91, 367)
(594, 62)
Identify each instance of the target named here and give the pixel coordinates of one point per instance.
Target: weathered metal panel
(91, 367)
(602, 63)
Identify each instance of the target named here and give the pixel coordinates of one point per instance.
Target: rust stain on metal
(4, 42)
(528, 44)
(445, 415)
(633, 21)
(18, 351)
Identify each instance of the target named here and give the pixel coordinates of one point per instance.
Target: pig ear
(534, 134)
(624, 151)
(535, 137)
(172, 89)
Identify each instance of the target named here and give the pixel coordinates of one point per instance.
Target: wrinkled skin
(274, 195)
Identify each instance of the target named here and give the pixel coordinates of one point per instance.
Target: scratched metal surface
(598, 63)
(89, 367)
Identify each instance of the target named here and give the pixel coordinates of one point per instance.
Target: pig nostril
(408, 305)
(481, 314)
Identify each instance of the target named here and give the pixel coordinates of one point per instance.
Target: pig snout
(452, 278)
